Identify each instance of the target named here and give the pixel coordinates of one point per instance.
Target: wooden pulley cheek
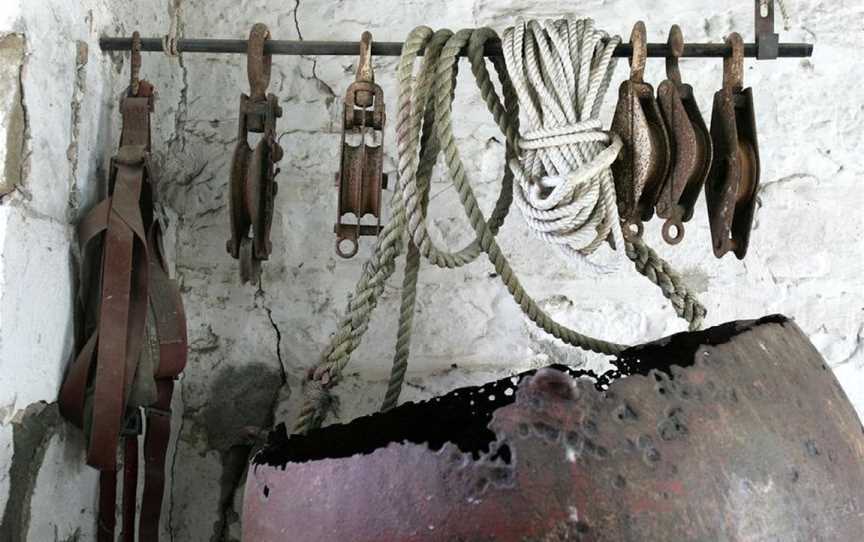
(734, 179)
(239, 167)
(641, 166)
(690, 146)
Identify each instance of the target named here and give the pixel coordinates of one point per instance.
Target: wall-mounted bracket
(767, 41)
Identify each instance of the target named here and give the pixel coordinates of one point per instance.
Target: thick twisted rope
(564, 187)
(428, 154)
(424, 122)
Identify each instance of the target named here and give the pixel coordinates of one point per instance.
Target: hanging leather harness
(135, 328)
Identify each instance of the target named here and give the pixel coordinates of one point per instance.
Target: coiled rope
(564, 187)
(424, 129)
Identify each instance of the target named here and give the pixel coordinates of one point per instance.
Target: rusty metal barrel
(740, 432)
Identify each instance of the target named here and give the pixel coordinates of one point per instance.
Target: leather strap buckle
(133, 424)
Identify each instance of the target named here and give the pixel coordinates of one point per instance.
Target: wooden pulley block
(730, 191)
(642, 165)
(253, 173)
(690, 146)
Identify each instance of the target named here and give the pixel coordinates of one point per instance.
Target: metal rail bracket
(767, 41)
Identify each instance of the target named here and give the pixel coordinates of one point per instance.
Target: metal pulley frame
(360, 178)
(641, 168)
(253, 186)
(690, 144)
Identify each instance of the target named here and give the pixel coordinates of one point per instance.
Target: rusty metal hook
(364, 64)
(733, 66)
(257, 63)
(676, 49)
(365, 74)
(639, 54)
(135, 64)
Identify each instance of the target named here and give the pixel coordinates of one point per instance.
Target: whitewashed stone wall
(251, 346)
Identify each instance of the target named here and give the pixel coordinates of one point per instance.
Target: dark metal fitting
(133, 424)
(767, 41)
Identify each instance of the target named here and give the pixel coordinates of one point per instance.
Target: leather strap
(107, 498)
(132, 279)
(121, 315)
(167, 306)
(130, 486)
(155, 451)
(73, 392)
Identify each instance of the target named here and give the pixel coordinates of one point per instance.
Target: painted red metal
(739, 433)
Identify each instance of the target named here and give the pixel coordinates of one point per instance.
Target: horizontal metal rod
(394, 48)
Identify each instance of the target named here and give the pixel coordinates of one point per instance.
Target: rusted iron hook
(135, 63)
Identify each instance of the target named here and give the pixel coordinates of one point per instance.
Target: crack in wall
(321, 84)
(284, 372)
(24, 169)
(182, 107)
(170, 526)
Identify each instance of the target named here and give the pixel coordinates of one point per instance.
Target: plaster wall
(250, 345)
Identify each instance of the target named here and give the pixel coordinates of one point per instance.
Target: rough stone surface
(251, 345)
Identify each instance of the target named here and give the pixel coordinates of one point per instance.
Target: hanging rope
(424, 129)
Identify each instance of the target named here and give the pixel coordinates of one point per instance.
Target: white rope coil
(561, 70)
